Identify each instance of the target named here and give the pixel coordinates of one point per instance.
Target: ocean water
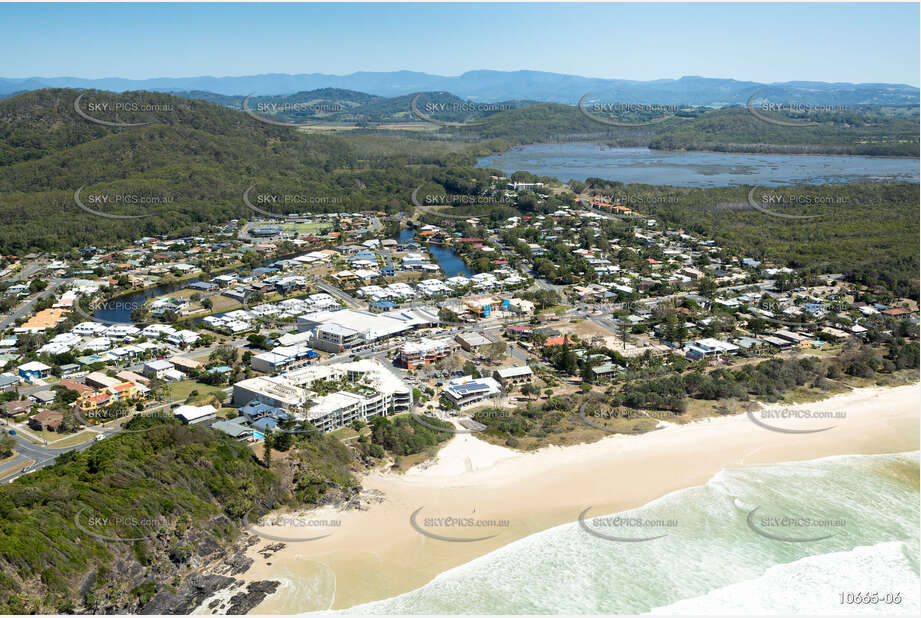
(710, 559)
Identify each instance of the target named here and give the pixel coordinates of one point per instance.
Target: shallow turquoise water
(712, 561)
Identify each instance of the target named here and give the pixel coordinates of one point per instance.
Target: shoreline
(379, 553)
(685, 150)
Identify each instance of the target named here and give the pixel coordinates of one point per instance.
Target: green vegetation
(767, 380)
(867, 231)
(7, 443)
(867, 130)
(179, 487)
(202, 156)
(401, 435)
(854, 129)
(624, 407)
(864, 131)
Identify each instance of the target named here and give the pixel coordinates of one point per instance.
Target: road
(30, 269)
(544, 284)
(334, 291)
(27, 307)
(42, 455)
(45, 456)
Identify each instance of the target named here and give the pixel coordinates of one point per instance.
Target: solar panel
(466, 389)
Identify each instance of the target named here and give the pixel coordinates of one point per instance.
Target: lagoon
(581, 160)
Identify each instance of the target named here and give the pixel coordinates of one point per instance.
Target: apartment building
(371, 390)
(415, 354)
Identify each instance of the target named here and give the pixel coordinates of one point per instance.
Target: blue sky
(760, 42)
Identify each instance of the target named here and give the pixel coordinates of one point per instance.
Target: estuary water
(581, 160)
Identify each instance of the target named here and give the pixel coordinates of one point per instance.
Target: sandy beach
(378, 553)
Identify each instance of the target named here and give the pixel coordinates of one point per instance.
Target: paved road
(334, 291)
(28, 270)
(45, 455)
(27, 307)
(544, 284)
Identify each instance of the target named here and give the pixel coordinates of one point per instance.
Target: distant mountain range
(491, 86)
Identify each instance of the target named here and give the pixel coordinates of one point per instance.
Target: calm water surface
(696, 169)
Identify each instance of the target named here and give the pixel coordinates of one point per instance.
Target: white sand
(377, 554)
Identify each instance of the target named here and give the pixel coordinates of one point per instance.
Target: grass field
(333, 127)
(55, 439)
(307, 228)
(79, 438)
(182, 392)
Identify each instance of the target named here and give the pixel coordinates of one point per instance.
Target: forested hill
(855, 130)
(869, 131)
(128, 525)
(199, 156)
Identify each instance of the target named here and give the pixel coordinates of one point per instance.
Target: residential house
(50, 420)
(34, 371)
(513, 376)
(195, 414)
(157, 369)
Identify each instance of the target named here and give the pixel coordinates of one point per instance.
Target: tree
(267, 453)
(707, 287)
(7, 443)
(259, 341)
(530, 390)
(282, 442)
(624, 327)
(496, 350)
